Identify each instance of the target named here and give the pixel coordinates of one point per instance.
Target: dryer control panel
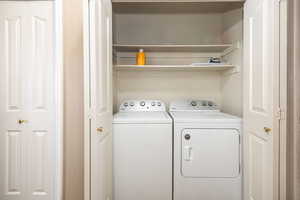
(142, 105)
(193, 105)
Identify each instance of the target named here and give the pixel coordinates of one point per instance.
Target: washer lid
(209, 117)
(142, 118)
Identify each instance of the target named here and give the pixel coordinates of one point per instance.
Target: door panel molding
(40, 53)
(14, 162)
(13, 60)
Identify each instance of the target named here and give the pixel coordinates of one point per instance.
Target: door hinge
(280, 114)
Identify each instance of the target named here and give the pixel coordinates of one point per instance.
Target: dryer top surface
(204, 117)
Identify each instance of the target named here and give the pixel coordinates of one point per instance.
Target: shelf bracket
(229, 50)
(232, 71)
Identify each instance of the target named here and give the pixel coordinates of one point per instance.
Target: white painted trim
(276, 103)
(283, 34)
(58, 9)
(86, 55)
(217, 67)
(168, 1)
(281, 27)
(280, 140)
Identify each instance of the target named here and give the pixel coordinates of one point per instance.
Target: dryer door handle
(187, 153)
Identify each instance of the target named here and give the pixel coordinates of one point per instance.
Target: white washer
(207, 152)
(142, 151)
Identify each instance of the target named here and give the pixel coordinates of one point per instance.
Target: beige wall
(232, 84)
(293, 172)
(73, 100)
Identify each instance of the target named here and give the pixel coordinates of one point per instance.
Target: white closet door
(27, 92)
(100, 99)
(260, 97)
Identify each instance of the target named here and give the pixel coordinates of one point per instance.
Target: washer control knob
(142, 103)
(187, 136)
(125, 104)
(131, 103)
(194, 103)
(210, 103)
(153, 103)
(158, 103)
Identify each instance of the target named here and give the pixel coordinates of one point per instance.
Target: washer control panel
(193, 105)
(142, 105)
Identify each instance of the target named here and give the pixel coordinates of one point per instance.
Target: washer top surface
(142, 118)
(141, 112)
(189, 111)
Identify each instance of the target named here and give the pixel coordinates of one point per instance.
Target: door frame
(281, 104)
(59, 67)
(86, 64)
(280, 141)
(282, 27)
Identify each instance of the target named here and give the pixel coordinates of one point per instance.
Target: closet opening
(217, 57)
(179, 40)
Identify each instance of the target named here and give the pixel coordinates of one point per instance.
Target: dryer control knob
(153, 103)
(131, 104)
(142, 103)
(194, 103)
(125, 104)
(158, 103)
(187, 136)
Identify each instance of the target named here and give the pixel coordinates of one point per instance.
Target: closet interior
(179, 39)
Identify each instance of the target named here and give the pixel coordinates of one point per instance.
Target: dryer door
(210, 153)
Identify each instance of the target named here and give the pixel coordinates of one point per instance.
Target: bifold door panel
(210, 153)
(261, 96)
(28, 152)
(99, 87)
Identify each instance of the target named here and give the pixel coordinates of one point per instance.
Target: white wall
(166, 24)
(169, 86)
(232, 84)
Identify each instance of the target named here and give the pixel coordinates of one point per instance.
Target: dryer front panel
(210, 153)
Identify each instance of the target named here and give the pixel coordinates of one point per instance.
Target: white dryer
(142, 151)
(207, 152)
